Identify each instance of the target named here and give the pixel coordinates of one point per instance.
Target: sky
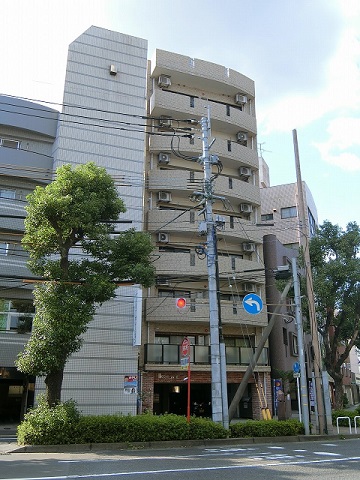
(303, 55)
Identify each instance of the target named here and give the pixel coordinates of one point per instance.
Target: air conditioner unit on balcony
(248, 247)
(165, 121)
(163, 237)
(163, 158)
(164, 196)
(249, 287)
(164, 81)
(240, 99)
(242, 137)
(246, 208)
(245, 172)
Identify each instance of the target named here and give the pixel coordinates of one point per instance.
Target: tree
(335, 265)
(75, 211)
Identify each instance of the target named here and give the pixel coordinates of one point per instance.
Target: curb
(111, 447)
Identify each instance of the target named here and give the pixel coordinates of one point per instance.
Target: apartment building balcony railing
(223, 118)
(201, 74)
(173, 223)
(169, 354)
(25, 164)
(188, 263)
(235, 153)
(163, 309)
(12, 214)
(184, 183)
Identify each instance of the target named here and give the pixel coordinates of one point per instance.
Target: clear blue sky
(303, 55)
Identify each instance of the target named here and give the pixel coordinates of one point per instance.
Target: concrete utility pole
(218, 414)
(304, 399)
(304, 242)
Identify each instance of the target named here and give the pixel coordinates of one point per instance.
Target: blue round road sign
(252, 303)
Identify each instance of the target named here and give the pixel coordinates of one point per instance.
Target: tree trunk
(53, 383)
(339, 392)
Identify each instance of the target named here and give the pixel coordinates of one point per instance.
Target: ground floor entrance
(16, 394)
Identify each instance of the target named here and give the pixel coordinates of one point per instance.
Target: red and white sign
(185, 347)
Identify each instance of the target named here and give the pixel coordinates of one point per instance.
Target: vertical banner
(137, 316)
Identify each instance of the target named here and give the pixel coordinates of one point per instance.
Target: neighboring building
(112, 96)
(279, 207)
(180, 88)
(27, 133)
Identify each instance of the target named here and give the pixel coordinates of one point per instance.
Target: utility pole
(304, 399)
(304, 242)
(217, 375)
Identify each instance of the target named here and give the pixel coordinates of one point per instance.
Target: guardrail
(349, 422)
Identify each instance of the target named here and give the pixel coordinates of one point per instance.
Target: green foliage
(48, 426)
(345, 413)
(266, 428)
(63, 425)
(75, 210)
(335, 265)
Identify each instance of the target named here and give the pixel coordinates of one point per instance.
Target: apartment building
(126, 113)
(182, 88)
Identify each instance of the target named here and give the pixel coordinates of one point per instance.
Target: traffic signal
(180, 303)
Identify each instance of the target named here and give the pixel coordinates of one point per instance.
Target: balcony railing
(169, 354)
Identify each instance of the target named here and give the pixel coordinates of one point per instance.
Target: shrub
(49, 426)
(345, 413)
(266, 428)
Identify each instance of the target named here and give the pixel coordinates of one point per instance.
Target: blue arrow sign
(296, 367)
(252, 303)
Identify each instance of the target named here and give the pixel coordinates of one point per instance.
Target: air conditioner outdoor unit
(113, 70)
(163, 237)
(165, 121)
(242, 137)
(163, 158)
(246, 208)
(164, 81)
(240, 99)
(245, 171)
(248, 247)
(164, 196)
(249, 287)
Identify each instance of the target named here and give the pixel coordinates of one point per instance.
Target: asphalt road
(320, 460)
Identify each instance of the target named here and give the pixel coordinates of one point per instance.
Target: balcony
(179, 181)
(163, 102)
(167, 263)
(201, 74)
(169, 354)
(244, 232)
(24, 164)
(163, 309)
(238, 156)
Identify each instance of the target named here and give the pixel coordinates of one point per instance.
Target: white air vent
(163, 158)
(249, 287)
(164, 196)
(165, 121)
(164, 81)
(113, 70)
(248, 247)
(246, 208)
(245, 171)
(242, 137)
(240, 99)
(163, 237)
(164, 282)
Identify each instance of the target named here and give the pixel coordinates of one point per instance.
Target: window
(192, 176)
(7, 193)
(288, 212)
(229, 145)
(312, 224)
(192, 216)
(230, 183)
(231, 221)
(4, 248)
(228, 110)
(192, 102)
(4, 142)
(267, 216)
(293, 344)
(16, 315)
